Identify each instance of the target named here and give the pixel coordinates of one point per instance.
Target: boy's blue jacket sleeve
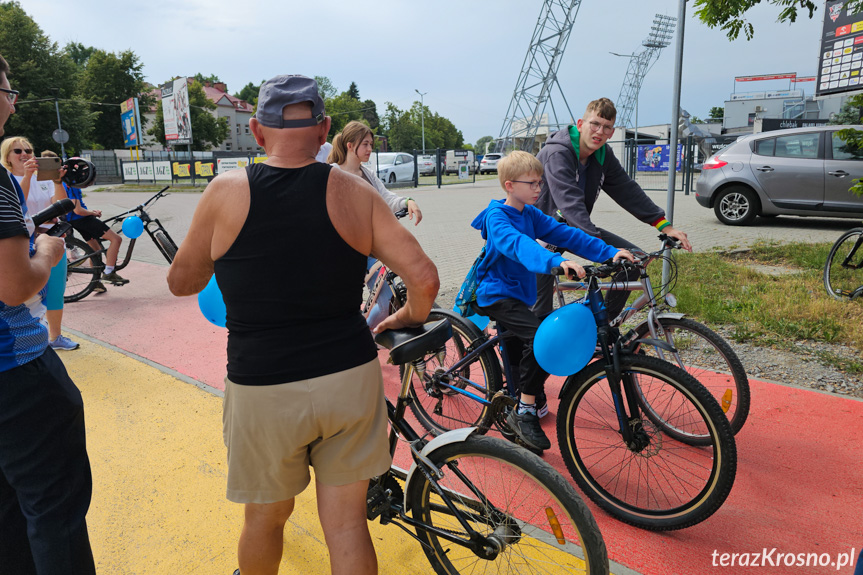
(515, 245)
(573, 239)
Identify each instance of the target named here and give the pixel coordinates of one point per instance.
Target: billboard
(130, 119)
(841, 50)
(655, 157)
(175, 111)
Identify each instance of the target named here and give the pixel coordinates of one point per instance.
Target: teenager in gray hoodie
(578, 164)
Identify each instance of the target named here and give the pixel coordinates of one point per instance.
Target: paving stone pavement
(445, 232)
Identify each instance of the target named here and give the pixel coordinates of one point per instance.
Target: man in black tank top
(304, 385)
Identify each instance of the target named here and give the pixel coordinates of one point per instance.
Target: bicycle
(697, 349)
(669, 456)
(843, 271)
(473, 499)
(84, 270)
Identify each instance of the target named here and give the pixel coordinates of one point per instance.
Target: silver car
(489, 163)
(802, 172)
(392, 167)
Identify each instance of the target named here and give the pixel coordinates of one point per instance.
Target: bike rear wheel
(843, 272)
(666, 484)
(533, 516)
(439, 408)
(83, 269)
(707, 357)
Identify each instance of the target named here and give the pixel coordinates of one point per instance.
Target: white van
(453, 157)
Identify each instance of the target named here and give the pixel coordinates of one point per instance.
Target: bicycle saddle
(411, 343)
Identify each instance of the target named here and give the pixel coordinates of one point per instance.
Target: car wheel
(736, 206)
(392, 178)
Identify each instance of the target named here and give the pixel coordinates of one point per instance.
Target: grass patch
(717, 288)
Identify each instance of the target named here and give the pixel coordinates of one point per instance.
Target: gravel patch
(799, 365)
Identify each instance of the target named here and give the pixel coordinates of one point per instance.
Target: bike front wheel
(707, 357)
(663, 482)
(533, 519)
(843, 272)
(83, 269)
(436, 389)
(166, 246)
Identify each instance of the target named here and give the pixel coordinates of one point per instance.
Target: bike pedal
(377, 501)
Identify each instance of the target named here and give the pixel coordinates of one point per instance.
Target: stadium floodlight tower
(660, 37)
(537, 79)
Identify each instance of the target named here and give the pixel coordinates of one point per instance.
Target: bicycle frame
(149, 223)
(477, 543)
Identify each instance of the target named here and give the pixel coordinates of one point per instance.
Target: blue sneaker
(64, 343)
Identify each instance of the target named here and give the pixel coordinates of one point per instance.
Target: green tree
(207, 130)
(109, 79)
(325, 87)
(730, 15)
(403, 128)
(480, 144)
(353, 91)
(716, 113)
(79, 53)
(212, 78)
(851, 112)
(249, 93)
(40, 71)
(370, 114)
(342, 109)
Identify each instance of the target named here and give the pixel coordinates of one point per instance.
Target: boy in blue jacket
(507, 281)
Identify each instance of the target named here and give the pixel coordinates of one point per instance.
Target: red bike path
(799, 484)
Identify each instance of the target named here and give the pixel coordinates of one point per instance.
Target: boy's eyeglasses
(11, 95)
(596, 126)
(19, 151)
(533, 185)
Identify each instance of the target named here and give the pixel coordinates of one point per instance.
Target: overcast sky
(466, 55)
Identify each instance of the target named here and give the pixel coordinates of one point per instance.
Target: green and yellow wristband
(661, 224)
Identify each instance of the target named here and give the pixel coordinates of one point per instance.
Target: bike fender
(453, 436)
(670, 315)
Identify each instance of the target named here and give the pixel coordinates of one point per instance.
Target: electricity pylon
(538, 78)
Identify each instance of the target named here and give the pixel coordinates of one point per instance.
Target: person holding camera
(45, 479)
(17, 157)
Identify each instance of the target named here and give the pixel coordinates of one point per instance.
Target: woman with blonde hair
(16, 155)
(352, 147)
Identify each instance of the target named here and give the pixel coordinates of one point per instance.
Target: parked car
(452, 161)
(802, 172)
(489, 163)
(392, 167)
(426, 165)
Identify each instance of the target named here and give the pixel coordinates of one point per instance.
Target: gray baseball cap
(281, 91)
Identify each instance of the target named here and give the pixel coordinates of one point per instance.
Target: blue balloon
(133, 227)
(566, 340)
(211, 303)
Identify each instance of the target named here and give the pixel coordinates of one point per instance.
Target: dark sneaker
(528, 429)
(64, 343)
(114, 278)
(99, 288)
(237, 572)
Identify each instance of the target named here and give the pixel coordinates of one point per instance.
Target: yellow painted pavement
(159, 472)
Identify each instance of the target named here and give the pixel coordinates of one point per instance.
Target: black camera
(80, 173)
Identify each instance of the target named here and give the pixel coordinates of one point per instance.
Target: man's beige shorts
(336, 423)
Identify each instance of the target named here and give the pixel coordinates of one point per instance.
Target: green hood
(574, 136)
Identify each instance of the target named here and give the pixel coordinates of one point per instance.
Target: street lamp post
(422, 117)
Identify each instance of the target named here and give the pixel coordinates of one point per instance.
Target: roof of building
(217, 93)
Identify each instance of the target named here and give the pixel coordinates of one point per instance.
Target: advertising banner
(131, 122)
(130, 171)
(841, 54)
(761, 78)
(655, 158)
(181, 170)
(228, 164)
(204, 169)
(162, 171)
(175, 111)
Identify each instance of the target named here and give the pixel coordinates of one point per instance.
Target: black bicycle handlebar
(140, 207)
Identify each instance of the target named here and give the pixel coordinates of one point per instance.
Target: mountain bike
(478, 504)
(697, 349)
(84, 270)
(640, 436)
(843, 271)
